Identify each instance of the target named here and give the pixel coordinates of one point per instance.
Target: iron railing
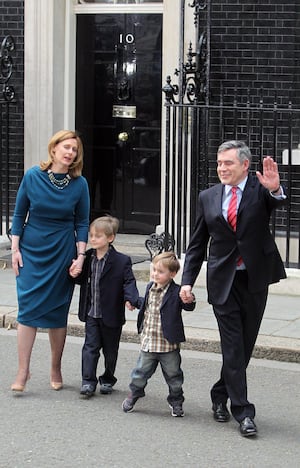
(6, 97)
(193, 134)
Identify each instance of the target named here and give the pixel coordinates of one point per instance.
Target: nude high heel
(56, 385)
(19, 387)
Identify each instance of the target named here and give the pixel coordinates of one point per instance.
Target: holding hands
(129, 306)
(76, 267)
(186, 294)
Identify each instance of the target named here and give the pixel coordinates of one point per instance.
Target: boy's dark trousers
(147, 363)
(98, 336)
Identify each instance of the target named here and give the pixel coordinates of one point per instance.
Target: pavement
(48, 429)
(279, 337)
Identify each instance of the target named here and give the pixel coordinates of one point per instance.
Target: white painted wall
(49, 74)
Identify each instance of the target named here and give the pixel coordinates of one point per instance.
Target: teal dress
(49, 222)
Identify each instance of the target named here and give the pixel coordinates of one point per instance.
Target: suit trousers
(99, 336)
(238, 320)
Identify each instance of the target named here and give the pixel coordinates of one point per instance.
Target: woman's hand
(76, 267)
(16, 260)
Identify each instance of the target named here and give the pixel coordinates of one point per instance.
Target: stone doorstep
(141, 269)
(289, 286)
(267, 347)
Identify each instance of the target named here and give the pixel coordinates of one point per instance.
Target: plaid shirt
(152, 338)
(97, 266)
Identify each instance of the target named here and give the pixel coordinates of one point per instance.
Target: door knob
(123, 136)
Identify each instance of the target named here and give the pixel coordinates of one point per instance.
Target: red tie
(231, 215)
(232, 209)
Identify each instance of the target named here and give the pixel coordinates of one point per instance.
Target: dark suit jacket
(252, 240)
(170, 313)
(117, 285)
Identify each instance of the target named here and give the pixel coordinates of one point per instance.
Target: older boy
(107, 286)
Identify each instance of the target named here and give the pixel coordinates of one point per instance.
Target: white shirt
(227, 196)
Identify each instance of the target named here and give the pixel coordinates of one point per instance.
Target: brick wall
(255, 56)
(256, 44)
(12, 23)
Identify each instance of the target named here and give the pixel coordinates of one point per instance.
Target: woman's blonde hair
(76, 166)
(168, 260)
(107, 224)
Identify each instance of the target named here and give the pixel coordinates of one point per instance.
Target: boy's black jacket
(117, 285)
(170, 313)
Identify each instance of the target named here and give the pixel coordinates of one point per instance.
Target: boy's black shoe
(128, 403)
(176, 410)
(106, 389)
(87, 390)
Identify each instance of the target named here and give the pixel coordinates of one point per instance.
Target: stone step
(134, 246)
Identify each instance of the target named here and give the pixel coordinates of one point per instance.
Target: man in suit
(242, 261)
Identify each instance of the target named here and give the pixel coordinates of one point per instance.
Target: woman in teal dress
(49, 233)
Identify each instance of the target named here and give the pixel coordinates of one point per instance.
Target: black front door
(118, 113)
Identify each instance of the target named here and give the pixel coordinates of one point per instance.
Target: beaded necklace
(60, 184)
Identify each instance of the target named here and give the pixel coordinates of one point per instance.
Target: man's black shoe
(248, 427)
(87, 390)
(221, 413)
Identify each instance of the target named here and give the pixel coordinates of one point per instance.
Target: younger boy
(107, 285)
(161, 327)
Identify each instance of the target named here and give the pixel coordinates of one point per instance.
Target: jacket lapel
(109, 261)
(217, 203)
(247, 194)
(165, 298)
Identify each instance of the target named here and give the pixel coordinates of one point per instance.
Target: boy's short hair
(169, 260)
(108, 224)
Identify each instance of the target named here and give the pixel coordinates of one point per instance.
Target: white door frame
(50, 65)
(49, 60)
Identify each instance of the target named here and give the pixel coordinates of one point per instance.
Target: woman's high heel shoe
(56, 385)
(19, 387)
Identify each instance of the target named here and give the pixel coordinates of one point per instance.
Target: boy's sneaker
(176, 410)
(87, 390)
(128, 403)
(106, 389)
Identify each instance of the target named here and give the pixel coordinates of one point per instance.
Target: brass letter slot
(125, 112)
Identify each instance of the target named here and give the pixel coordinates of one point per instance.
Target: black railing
(190, 161)
(6, 97)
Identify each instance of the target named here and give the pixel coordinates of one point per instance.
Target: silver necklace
(60, 184)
